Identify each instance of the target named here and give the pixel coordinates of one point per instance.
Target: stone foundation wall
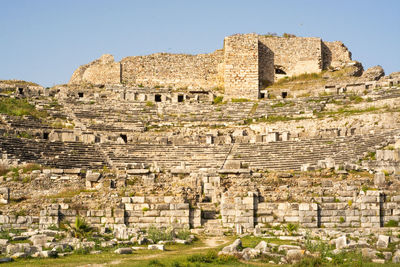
(368, 209)
(143, 212)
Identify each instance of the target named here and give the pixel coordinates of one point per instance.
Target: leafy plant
(183, 233)
(158, 234)
(80, 228)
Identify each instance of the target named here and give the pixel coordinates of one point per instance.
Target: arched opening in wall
(262, 95)
(97, 139)
(280, 71)
(21, 91)
(124, 137)
(180, 98)
(80, 94)
(284, 94)
(45, 136)
(157, 98)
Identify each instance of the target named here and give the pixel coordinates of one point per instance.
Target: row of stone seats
(291, 155)
(27, 122)
(64, 155)
(167, 156)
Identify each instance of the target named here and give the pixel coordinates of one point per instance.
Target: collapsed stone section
(246, 64)
(101, 71)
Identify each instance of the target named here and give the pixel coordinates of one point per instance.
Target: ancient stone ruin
(246, 63)
(263, 135)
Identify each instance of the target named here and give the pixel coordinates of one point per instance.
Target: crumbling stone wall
(335, 54)
(101, 71)
(295, 55)
(246, 63)
(175, 70)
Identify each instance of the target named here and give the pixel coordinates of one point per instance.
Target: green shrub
(218, 100)
(183, 233)
(81, 228)
(392, 223)
(158, 234)
(309, 262)
(291, 228)
(210, 257)
(155, 263)
(341, 220)
(149, 104)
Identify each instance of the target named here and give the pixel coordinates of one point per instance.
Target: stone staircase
(210, 219)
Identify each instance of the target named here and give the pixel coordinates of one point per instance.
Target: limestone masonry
(246, 64)
(155, 149)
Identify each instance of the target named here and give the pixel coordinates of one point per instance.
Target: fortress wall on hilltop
(247, 63)
(175, 70)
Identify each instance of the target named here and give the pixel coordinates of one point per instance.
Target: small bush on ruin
(158, 234)
(392, 223)
(149, 104)
(183, 233)
(80, 228)
(218, 100)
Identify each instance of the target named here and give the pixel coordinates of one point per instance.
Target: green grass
(218, 100)
(272, 119)
(297, 78)
(392, 223)
(19, 107)
(149, 104)
(240, 100)
(346, 112)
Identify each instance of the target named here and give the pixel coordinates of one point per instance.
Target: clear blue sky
(46, 40)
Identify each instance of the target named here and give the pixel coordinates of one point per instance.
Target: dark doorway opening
(157, 98)
(21, 91)
(80, 95)
(180, 98)
(97, 139)
(46, 136)
(284, 94)
(123, 136)
(262, 95)
(280, 71)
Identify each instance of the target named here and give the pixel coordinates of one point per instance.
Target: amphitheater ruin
(268, 131)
